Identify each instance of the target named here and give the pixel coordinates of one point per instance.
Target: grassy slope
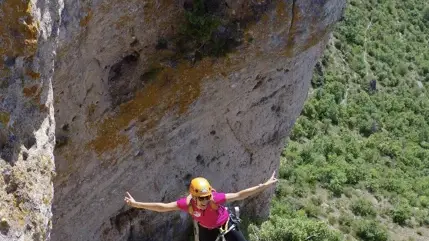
(358, 157)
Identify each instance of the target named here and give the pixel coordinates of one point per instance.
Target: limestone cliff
(28, 37)
(146, 95)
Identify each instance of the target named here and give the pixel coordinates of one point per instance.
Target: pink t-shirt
(208, 218)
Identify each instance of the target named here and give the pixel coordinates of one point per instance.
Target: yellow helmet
(200, 187)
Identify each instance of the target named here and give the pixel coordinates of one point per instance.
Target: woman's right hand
(129, 200)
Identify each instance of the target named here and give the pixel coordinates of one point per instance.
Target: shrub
(424, 201)
(332, 220)
(363, 207)
(316, 200)
(345, 219)
(334, 179)
(283, 189)
(421, 216)
(312, 210)
(355, 174)
(402, 69)
(426, 14)
(199, 23)
(297, 229)
(205, 33)
(401, 213)
(369, 230)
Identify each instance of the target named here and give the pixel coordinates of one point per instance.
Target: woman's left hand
(272, 179)
(129, 199)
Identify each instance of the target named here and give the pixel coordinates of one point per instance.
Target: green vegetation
(371, 231)
(363, 207)
(200, 23)
(289, 224)
(206, 31)
(361, 144)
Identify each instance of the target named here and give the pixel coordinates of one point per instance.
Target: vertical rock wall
(137, 111)
(143, 101)
(28, 39)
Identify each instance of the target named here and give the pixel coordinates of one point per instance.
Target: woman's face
(202, 202)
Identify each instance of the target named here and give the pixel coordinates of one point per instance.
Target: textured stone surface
(139, 107)
(135, 117)
(28, 37)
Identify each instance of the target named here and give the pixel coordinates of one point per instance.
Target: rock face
(28, 39)
(146, 96)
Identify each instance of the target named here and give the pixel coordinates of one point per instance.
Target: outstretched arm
(157, 207)
(230, 197)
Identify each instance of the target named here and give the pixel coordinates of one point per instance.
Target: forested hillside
(356, 166)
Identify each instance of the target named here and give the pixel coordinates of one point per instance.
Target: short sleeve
(219, 197)
(181, 203)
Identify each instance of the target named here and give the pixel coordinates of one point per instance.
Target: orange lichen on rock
(123, 21)
(4, 118)
(30, 91)
(91, 109)
(295, 22)
(281, 9)
(272, 24)
(313, 37)
(291, 24)
(43, 108)
(85, 20)
(4, 72)
(152, 9)
(32, 74)
(34, 93)
(18, 29)
(172, 89)
(283, 17)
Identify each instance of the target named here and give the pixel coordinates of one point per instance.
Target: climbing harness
(224, 231)
(234, 219)
(231, 224)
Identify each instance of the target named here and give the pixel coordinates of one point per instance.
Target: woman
(205, 206)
